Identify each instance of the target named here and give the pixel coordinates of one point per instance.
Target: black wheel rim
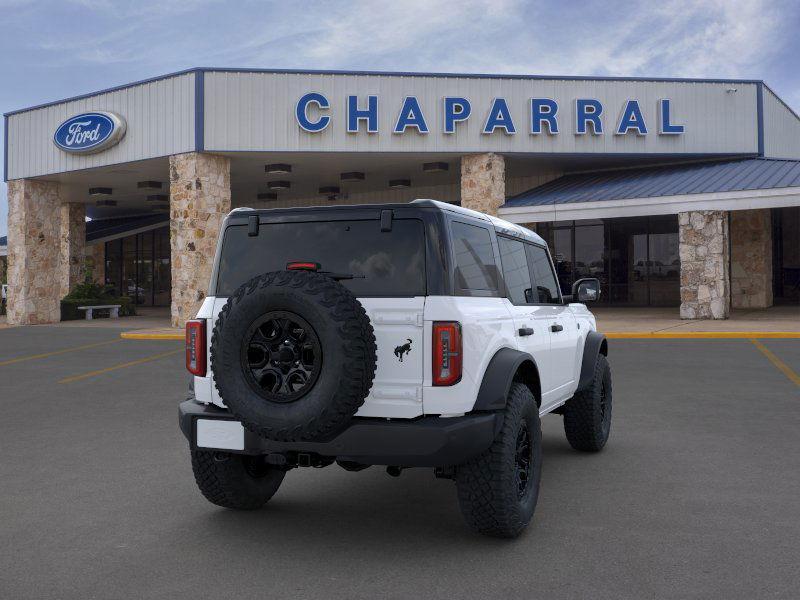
(523, 460)
(281, 356)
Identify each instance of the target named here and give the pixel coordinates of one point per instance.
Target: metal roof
(386, 74)
(671, 180)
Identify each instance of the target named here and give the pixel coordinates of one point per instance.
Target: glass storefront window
(590, 254)
(786, 255)
(138, 266)
(635, 259)
(162, 275)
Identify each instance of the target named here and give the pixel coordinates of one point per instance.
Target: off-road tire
(587, 415)
(487, 487)
(235, 480)
(347, 342)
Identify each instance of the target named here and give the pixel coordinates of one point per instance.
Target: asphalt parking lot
(697, 494)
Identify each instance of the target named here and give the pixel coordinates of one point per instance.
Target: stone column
(751, 258)
(72, 240)
(34, 241)
(200, 198)
(703, 247)
(483, 182)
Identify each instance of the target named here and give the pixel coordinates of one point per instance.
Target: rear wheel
(235, 480)
(587, 415)
(498, 490)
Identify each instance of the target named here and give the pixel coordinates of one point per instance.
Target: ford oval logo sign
(90, 132)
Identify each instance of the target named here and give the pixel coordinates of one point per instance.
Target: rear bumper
(424, 442)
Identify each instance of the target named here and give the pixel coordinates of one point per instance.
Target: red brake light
(447, 353)
(196, 347)
(302, 266)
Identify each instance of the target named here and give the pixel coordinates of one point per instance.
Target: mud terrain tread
(486, 487)
(583, 420)
(227, 483)
(359, 350)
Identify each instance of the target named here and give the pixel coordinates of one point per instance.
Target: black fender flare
(596, 343)
(499, 376)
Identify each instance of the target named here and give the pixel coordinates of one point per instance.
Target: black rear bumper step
(424, 442)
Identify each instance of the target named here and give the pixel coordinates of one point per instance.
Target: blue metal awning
(671, 180)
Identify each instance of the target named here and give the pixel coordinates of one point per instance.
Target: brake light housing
(303, 265)
(196, 347)
(448, 357)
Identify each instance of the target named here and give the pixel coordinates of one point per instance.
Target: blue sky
(52, 50)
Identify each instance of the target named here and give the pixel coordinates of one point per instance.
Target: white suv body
(405, 335)
(404, 390)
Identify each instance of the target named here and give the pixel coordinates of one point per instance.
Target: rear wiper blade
(340, 276)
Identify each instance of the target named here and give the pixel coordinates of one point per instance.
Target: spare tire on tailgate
(293, 355)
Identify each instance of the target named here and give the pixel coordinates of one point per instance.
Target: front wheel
(587, 415)
(235, 480)
(498, 490)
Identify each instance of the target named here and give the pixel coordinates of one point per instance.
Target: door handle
(555, 328)
(523, 331)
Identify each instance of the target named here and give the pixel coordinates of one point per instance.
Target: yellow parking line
(132, 363)
(128, 335)
(700, 335)
(54, 353)
(781, 366)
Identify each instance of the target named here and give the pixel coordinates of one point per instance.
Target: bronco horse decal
(401, 350)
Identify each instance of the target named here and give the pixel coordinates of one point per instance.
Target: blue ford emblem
(90, 132)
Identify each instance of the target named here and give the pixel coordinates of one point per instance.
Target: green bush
(90, 293)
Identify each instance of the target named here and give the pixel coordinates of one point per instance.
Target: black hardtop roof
(373, 211)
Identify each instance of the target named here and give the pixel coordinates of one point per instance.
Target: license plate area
(219, 434)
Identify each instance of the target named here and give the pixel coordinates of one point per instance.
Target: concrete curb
(616, 335)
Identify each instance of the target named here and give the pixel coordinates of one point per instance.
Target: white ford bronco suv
(403, 335)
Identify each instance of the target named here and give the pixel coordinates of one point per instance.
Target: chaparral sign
(90, 132)
(588, 116)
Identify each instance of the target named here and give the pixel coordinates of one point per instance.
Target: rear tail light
(303, 265)
(447, 353)
(196, 347)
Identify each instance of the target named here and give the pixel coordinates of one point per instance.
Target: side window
(545, 279)
(515, 271)
(475, 267)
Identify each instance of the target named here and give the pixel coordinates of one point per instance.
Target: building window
(138, 266)
(635, 259)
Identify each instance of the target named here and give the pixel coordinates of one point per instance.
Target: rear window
(388, 263)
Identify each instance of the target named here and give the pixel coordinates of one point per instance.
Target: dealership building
(673, 192)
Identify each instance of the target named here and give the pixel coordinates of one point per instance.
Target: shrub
(90, 293)
(70, 312)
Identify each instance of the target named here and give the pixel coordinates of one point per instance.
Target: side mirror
(586, 290)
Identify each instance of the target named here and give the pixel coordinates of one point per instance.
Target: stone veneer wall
(703, 247)
(483, 182)
(200, 198)
(72, 243)
(34, 240)
(751, 258)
